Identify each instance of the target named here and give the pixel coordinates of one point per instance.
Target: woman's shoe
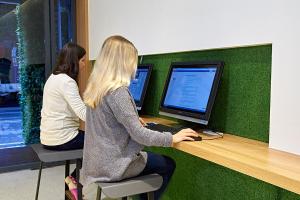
(72, 184)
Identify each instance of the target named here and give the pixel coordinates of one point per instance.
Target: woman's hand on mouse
(184, 134)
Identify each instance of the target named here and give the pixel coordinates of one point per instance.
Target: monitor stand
(200, 128)
(212, 133)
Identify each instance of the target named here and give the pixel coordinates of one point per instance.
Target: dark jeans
(161, 165)
(75, 143)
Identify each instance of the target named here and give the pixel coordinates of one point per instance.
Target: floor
(21, 184)
(19, 173)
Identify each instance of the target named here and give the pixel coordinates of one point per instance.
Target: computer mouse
(199, 138)
(151, 124)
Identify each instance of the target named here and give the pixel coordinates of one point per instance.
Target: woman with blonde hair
(115, 136)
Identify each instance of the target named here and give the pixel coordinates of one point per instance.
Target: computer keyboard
(162, 128)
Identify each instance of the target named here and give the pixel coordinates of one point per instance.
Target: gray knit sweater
(114, 139)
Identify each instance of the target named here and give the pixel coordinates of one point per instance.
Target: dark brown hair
(68, 60)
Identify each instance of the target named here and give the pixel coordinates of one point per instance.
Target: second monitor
(139, 84)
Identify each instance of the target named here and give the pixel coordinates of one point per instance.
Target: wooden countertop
(250, 157)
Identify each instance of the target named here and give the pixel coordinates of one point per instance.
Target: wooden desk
(250, 157)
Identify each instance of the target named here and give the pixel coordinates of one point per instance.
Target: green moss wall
(242, 108)
(198, 179)
(31, 58)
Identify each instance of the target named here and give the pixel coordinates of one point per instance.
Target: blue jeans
(161, 165)
(75, 143)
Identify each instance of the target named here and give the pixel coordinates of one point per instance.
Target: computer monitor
(139, 84)
(190, 91)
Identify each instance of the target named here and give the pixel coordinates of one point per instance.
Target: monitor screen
(190, 90)
(139, 84)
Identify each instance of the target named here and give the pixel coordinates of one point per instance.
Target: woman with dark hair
(62, 104)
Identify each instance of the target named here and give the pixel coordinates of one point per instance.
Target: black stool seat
(129, 187)
(55, 156)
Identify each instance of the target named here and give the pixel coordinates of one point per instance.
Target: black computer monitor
(139, 84)
(190, 91)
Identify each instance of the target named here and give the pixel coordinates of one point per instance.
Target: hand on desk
(185, 134)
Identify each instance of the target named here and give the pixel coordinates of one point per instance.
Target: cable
(141, 60)
(212, 133)
(221, 136)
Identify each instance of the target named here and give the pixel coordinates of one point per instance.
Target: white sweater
(62, 108)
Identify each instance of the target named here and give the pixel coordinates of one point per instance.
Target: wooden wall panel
(83, 40)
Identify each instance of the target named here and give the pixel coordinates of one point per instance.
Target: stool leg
(67, 168)
(38, 183)
(67, 173)
(98, 193)
(79, 189)
(79, 186)
(150, 195)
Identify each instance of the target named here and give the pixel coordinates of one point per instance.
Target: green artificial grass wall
(242, 107)
(32, 79)
(198, 179)
(31, 58)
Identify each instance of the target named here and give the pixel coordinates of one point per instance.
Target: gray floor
(21, 185)
(10, 127)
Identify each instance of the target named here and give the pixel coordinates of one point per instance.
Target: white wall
(285, 92)
(161, 26)
(158, 26)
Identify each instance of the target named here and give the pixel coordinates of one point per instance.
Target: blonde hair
(114, 67)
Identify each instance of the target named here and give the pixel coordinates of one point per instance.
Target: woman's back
(62, 107)
(114, 133)
(114, 140)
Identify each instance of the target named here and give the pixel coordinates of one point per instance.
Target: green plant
(32, 79)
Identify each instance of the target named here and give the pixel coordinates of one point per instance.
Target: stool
(48, 156)
(129, 187)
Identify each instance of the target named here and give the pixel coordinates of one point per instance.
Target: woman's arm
(71, 94)
(123, 109)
